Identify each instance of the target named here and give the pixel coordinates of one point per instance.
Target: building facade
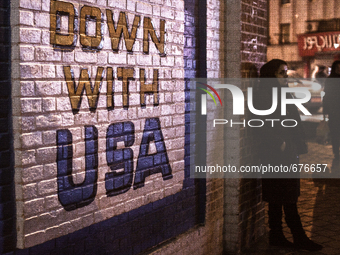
(93, 137)
(304, 33)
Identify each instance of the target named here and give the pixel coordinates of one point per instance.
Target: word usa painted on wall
(72, 195)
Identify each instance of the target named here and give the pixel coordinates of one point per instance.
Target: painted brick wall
(55, 125)
(207, 239)
(237, 200)
(7, 199)
(44, 125)
(40, 108)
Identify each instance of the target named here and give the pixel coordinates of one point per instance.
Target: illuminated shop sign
(309, 44)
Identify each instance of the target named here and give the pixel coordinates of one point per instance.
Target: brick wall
(246, 39)
(254, 32)
(70, 200)
(52, 131)
(216, 12)
(7, 199)
(57, 196)
(253, 50)
(207, 239)
(53, 128)
(238, 200)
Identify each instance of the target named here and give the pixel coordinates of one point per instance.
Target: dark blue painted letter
(71, 195)
(119, 182)
(148, 164)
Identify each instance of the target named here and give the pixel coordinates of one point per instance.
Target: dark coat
(270, 139)
(331, 105)
(331, 102)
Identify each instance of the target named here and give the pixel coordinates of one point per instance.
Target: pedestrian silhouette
(331, 107)
(278, 145)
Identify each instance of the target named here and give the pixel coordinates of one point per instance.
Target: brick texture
(254, 25)
(69, 199)
(7, 201)
(62, 208)
(246, 45)
(254, 32)
(79, 113)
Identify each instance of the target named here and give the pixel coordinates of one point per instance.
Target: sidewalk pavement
(319, 208)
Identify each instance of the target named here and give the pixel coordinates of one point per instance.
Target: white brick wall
(207, 239)
(42, 106)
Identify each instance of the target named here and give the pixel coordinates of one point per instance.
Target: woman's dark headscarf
(333, 71)
(268, 70)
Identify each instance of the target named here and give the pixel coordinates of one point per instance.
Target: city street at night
(318, 205)
(169, 127)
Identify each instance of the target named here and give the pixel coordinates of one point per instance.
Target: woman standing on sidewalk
(281, 146)
(331, 106)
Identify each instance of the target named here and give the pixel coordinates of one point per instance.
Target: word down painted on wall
(87, 14)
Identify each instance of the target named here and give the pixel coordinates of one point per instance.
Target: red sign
(309, 44)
